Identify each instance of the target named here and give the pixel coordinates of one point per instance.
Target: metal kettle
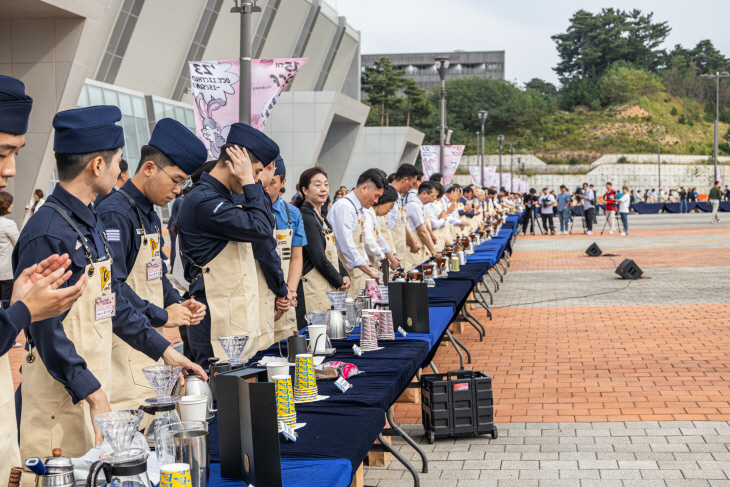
(58, 471)
(196, 386)
(337, 329)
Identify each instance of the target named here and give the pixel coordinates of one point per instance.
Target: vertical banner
(523, 186)
(515, 185)
(215, 87)
(506, 183)
(489, 172)
(718, 177)
(430, 160)
(476, 173)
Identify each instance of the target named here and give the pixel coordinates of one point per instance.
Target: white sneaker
(623, 234)
(611, 232)
(589, 232)
(521, 234)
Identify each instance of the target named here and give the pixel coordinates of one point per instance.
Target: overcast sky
(520, 28)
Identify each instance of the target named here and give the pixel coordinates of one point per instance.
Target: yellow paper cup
(175, 475)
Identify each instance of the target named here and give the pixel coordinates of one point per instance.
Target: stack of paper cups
(385, 325)
(369, 330)
(285, 400)
(305, 384)
(371, 289)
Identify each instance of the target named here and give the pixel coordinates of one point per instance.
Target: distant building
(420, 66)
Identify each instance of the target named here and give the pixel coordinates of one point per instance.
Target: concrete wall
(530, 161)
(652, 159)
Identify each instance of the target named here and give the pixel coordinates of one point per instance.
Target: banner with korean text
(430, 160)
(215, 88)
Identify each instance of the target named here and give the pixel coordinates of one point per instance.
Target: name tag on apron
(278, 250)
(154, 269)
(403, 216)
(362, 237)
(105, 307)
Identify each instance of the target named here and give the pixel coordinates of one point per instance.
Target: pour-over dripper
(162, 378)
(317, 317)
(233, 346)
(118, 428)
(337, 298)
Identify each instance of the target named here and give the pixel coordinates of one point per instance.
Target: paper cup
(276, 368)
(193, 408)
(175, 475)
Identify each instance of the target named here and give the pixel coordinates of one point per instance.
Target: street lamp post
(482, 119)
(659, 153)
(716, 77)
(244, 96)
(477, 134)
(511, 163)
(520, 168)
(442, 64)
(500, 138)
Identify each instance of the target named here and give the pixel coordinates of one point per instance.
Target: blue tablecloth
(439, 319)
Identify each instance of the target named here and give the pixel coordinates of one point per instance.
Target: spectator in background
(563, 210)
(281, 192)
(595, 208)
(8, 238)
(121, 179)
(610, 199)
(714, 197)
(693, 195)
(727, 193)
(37, 201)
(340, 193)
(623, 210)
(682, 200)
(589, 202)
(547, 203)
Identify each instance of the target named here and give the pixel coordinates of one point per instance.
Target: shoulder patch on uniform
(113, 235)
(216, 208)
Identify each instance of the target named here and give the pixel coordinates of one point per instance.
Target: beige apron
(129, 385)
(376, 234)
(49, 419)
(286, 325)
(357, 277)
(398, 235)
(387, 235)
(414, 260)
(10, 456)
(313, 282)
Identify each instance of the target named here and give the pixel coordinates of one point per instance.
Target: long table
(340, 430)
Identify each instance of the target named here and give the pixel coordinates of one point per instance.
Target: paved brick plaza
(629, 387)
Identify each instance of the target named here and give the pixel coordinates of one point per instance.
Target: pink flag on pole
(430, 160)
(215, 86)
(475, 172)
(489, 172)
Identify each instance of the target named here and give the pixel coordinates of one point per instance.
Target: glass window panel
(169, 111)
(83, 98)
(130, 137)
(142, 132)
(125, 104)
(191, 119)
(96, 96)
(133, 163)
(180, 115)
(111, 98)
(159, 110)
(138, 107)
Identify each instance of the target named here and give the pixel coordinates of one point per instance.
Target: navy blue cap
(15, 106)
(91, 129)
(179, 144)
(280, 167)
(255, 141)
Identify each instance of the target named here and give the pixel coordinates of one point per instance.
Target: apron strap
(203, 269)
(133, 204)
(68, 219)
(288, 215)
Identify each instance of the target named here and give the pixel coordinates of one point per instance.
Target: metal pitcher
(59, 471)
(196, 386)
(337, 327)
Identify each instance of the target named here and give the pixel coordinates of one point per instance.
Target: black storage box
(248, 434)
(457, 404)
(408, 301)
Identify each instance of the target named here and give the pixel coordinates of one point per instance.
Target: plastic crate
(458, 403)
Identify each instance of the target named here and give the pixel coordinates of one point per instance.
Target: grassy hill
(582, 136)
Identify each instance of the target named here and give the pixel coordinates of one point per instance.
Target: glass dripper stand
(118, 428)
(233, 346)
(162, 378)
(317, 317)
(337, 298)
(428, 275)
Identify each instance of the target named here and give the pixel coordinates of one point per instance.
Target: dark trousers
(589, 214)
(199, 338)
(6, 289)
(547, 219)
(528, 217)
(173, 240)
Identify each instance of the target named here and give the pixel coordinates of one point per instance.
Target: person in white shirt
(450, 200)
(403, 181)
(416, 215)
(547, 204)
(347, 220)
(623, 210)
(376, 246)
(438, 213)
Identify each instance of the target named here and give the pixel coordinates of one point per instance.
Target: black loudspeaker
(629, 270)
(594, 250)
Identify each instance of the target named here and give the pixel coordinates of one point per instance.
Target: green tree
(542, 87)
(416, 102)
(704, 56)
(622, 83)
(595, 41)
(381, 84)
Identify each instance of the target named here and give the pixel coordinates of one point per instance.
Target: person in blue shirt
(134, 233)
(67, 370)
(224, 213)
(466, 203)
(291, 238)
(35, 295)
(564, 209)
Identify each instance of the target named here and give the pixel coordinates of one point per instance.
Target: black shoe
(552, 232)
(532, 233)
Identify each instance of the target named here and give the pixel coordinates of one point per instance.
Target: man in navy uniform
(67, 371)
(35, 294)
(220, 218)
(133, 230)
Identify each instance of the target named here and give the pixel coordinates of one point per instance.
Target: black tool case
(458, 403)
